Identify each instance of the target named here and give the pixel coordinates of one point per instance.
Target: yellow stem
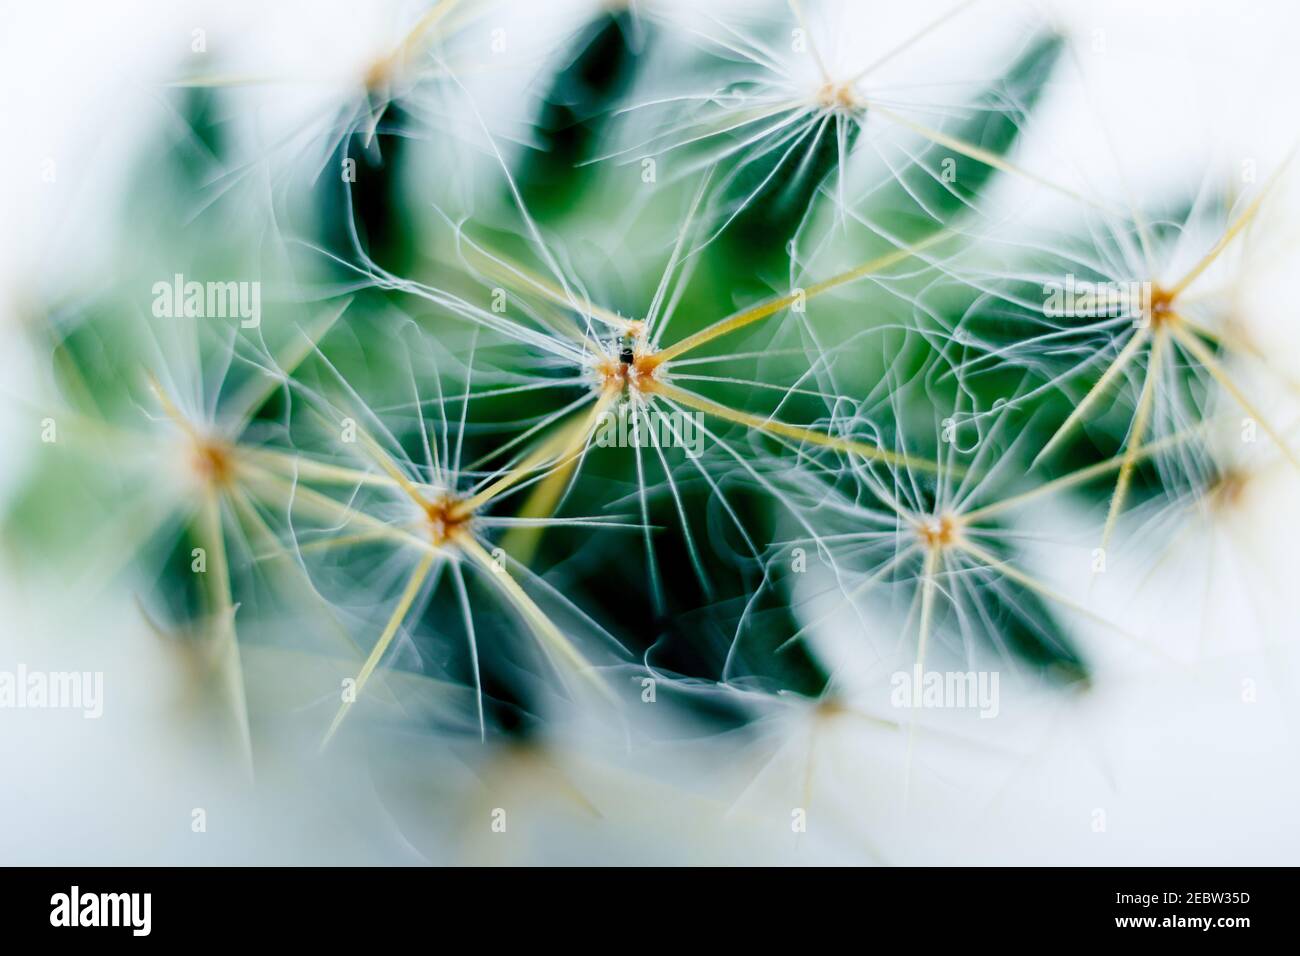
(1134, 447)
(1098, 389)
(314, 470)
(496, 263)
(169, 407)
(521, 542)
(776, 427)
(382, 71)
(547, 633)
(1078, 477)
(1225, 240)
(763, 310)
(979, 154)
(568, 442)
(217, 581)
(1203, 355)
(257, 390)
(404, 603)
(1042, 590)
(326, 508)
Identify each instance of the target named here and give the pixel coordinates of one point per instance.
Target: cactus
(736, 384)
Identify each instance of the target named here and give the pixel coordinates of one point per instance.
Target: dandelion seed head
(830, 707)
(378, 75)
(939, 532)
(628, 365)
(1228, 492)
(212, 461)
(839, 98)
(448, 518)
(1162, 310)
